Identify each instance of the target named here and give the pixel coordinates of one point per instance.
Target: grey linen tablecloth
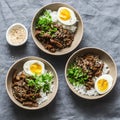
(101, 29)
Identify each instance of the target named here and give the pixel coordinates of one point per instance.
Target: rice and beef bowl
(32, 83)
(90, 73)
(56, 29)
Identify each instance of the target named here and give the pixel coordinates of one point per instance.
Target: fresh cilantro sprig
(45, 23)
(76, 76)
(42, 82)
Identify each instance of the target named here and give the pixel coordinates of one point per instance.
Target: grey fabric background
(101, 29)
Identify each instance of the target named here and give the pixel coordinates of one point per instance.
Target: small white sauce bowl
(12, 27)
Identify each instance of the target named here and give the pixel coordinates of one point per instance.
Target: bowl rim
(10, 27)
(15, 101)
(60, 53)
(85, 96)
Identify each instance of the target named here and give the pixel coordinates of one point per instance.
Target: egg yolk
(36, 68)
(64, 14)
(102, 85)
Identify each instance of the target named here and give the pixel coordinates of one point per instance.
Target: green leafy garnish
(76, 76)
(45, 23)
(42, 82)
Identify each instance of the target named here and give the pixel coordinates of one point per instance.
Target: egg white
(26, 66)
(108, 78)
(71, 21)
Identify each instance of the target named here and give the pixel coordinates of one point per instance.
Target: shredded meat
(61, 39)
(92, 65)
(22, 92)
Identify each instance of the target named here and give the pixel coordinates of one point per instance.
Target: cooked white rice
(92, 92)
(53, 14)
(44, 96)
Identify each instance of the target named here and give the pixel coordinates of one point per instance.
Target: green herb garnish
(45, 23)
(42, 82)
(76, 76)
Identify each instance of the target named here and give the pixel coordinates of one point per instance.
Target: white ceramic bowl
(13, 26)
(104, 56)
(18, 65)
(78, 34)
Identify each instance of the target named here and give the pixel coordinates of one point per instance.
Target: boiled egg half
(66, 16)
(103, 83)
(33, 67)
